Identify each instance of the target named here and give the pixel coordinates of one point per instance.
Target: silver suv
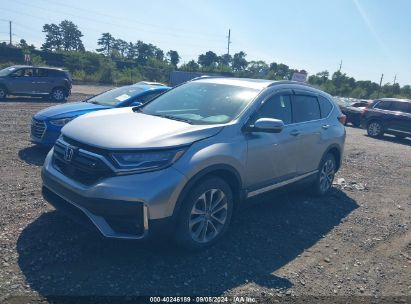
(22, 80)
(184, 162)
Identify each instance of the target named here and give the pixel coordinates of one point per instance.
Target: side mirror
(136, 104)
(268, 125)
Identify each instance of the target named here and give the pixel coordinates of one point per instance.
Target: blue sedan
(46, 124)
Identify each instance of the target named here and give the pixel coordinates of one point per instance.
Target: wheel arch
(336, 151)
(226, 172)
(3, 85)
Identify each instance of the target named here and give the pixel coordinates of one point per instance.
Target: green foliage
(208, 61)
(239, 62)
(190, 66)
(174, 57)
(65, 36)
(120, 62)
(106, 42)
(37, 60)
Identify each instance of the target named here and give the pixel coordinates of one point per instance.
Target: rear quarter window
(325, 106)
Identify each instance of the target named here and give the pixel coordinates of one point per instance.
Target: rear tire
(325, 176)
(58, 94)
(205, 214)
(375, 129)
(3, 93)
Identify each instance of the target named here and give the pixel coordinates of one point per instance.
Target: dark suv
(35, 81)
(388, 115)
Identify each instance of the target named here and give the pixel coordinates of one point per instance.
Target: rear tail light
(366, 109)
(342, 119)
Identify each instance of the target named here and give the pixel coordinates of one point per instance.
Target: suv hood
(68, 110)
(122, 128)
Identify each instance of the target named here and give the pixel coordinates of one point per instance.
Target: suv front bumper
(127, 206)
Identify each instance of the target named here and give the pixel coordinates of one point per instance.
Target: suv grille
(82, 167)
(38, 127)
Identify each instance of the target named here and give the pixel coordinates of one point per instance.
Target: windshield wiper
(174, 118)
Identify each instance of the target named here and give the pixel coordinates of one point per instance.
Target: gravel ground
(283, 246)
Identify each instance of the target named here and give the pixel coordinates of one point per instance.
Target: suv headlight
(147, 160)
(62, 121)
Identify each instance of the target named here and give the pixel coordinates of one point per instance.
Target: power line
(196, 34)
(98, 21)
(93, 29)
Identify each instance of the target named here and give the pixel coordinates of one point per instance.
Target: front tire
(3, 93)
(375, 129)
(205, 215)
(58, 94)
(325, 177)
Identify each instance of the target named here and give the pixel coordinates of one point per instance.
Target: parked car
(46, 124)
(207, 145)
(354, 111)
(35, 81)
(388, 115)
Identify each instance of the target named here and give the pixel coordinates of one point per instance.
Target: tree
(225, 60)
(107, 43)
(54, 38)
(209, 59)
(141, 52)
(239, 62)
(122, 47)
(258, 69)
(71, 36)
(174, 57)
(65, 36)
(190, 66)
(25, 47)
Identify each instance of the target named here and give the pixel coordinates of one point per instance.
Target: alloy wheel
(374, 129)
(327, 175)
(208, 216)
(58, 94)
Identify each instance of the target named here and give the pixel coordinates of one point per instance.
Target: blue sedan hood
(69, 109)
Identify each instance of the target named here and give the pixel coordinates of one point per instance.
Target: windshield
(7, 71)
(115, 96)
(202, 103)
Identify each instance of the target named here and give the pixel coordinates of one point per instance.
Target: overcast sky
(371, 37)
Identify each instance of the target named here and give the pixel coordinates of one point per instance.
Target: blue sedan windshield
(7, 71)
(114, 97)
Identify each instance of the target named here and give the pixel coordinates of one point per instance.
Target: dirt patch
(284, 245)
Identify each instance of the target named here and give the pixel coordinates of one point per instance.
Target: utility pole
(393, 88)
(10, 33)
(379, 90)
(228, 41)
(340, 66)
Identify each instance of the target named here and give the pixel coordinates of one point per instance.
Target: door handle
(295, 133)
(325, 127)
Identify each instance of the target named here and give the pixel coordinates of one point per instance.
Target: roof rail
(205, 76)
(290, 82)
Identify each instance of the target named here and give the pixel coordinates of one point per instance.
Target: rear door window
(399, 106)
(41, 73)
(305, 108)
(383, 105)
(277, 107)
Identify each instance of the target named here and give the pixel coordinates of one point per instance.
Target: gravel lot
(283, 246)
